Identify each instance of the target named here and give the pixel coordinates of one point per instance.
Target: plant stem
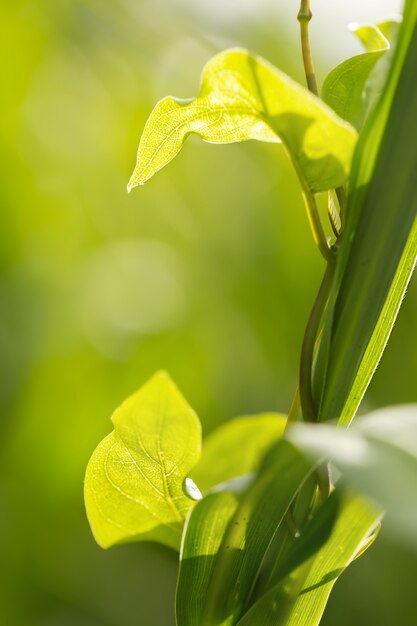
(316, 224)
(294, 408)
(307, 350)
(341, 196)
(304, 17)
(304, 391)
(313, 214)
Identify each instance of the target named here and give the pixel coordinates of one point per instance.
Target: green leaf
(243, 97)
(378, 245)
(390, 28)
(203, 534)
(135, 480)
(236, 448)
(343, 89)
(378, 455)
(311, 538)
(333, 208)
(302, 597)
(245, 540)
(382, 330)
(375, 86)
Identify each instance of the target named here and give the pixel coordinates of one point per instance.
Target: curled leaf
(344, 89)
(243, 97)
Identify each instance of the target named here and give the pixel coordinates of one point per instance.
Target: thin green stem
(304, 17)
(307, 350)
(313, 215)
(294, 408)
(304, 391)
(341, 196)
(316, 224)
(319, 234)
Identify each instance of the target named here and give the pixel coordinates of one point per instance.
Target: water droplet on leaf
(192, 490)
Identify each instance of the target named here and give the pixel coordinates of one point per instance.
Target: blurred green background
(208, 271)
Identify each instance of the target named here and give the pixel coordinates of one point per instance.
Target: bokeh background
(208, 271)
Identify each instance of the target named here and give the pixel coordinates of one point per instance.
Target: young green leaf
(378, 244)
(236, 448)
(243, 97)
(344, 88)
(246, 538)
(135, 486)
(301, 598)
(377, 80)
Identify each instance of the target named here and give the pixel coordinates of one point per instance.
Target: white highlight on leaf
(192, 490)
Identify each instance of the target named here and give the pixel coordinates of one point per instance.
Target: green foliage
(203, 536)
(244, 97)
(378, 245)
(236, 448)
(378, 454)
(301, 599)
(134, 486)
(272, 534)
(382, 330)
(247, 535)
(344, 88)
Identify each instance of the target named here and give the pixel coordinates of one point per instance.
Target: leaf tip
(133, 182)
(137, 179)
(162, 374)
(354, 26)
(151, 385)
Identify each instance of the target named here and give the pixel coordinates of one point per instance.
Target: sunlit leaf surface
(244, 97)
(135, 482)
(236, 448)
(344, 87)
(378, 246)
(229, 577)
(301, 599)
(382, 329)
(204, 533)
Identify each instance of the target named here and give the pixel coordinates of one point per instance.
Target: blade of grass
(375, 258)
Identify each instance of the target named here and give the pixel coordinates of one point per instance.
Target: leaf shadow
(191, 600)
(327, 578)
(295, 140)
